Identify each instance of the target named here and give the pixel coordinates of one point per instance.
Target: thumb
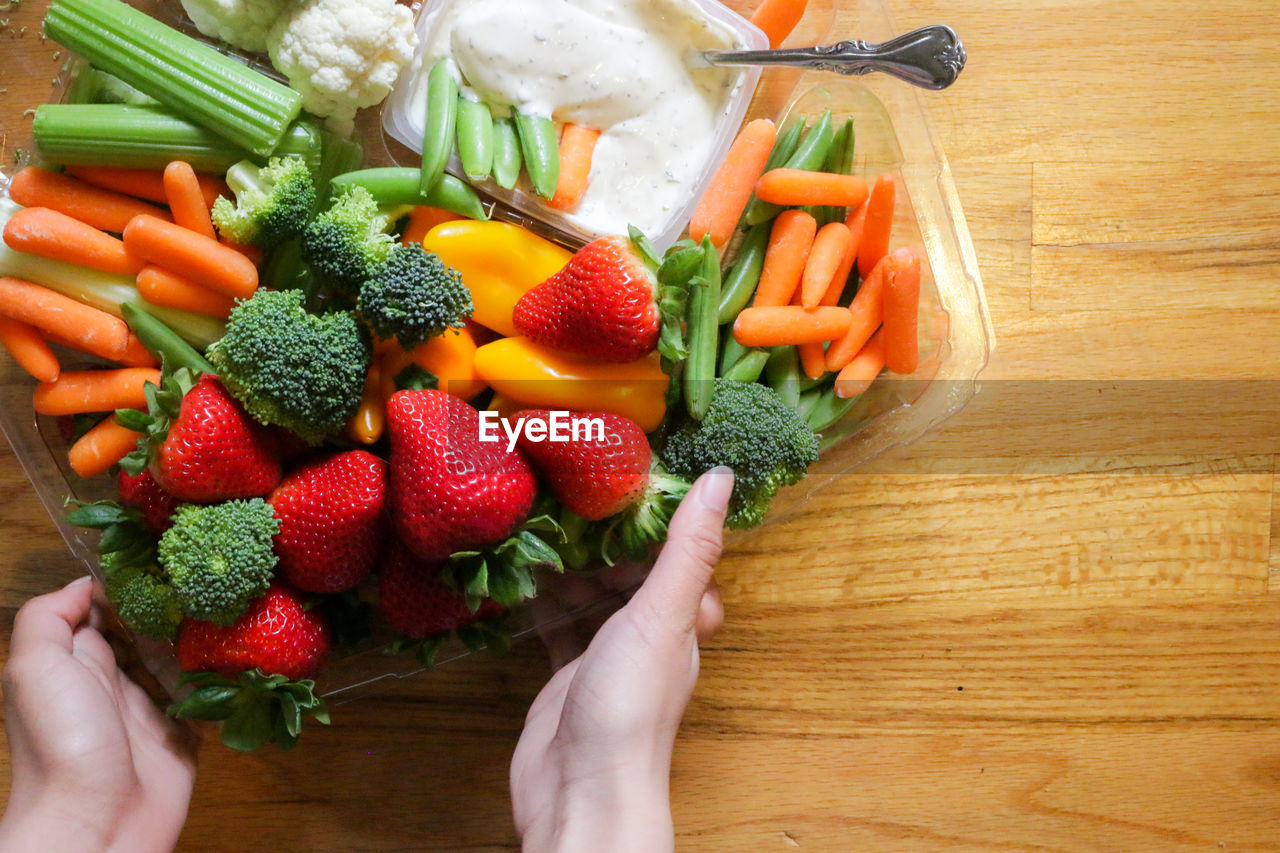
(673, 591)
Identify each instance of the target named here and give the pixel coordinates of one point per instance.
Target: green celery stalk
(92, 86)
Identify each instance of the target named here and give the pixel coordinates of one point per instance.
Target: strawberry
(603, 304)
(276, 635)
(142, 491)
(451, 492)
(416, 602)
(332, 521)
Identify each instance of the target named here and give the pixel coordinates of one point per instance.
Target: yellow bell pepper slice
(521, 370)
(450, 357)
(499, 263)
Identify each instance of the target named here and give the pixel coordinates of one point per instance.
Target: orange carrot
(830, 249)
(88, 329)
(37, 187)
(136, 354)
(206, 262)
(144, 183)
(789, 245)
(50, 234)
(901, 310)
(862, 369)
(799, 186)
(101, 447)
(78, 392)
(812, 356)
(366, 426)
(775, 326)
(423, 219)
(778, 18)
(874, 244)
(32, 353)
(866, 313)
(255, 255)
(577, 144)
(727, 195)
(186, 200)
(161, 287)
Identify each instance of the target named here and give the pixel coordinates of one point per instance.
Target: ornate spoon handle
(930, 57)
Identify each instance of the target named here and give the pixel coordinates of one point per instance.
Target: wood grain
(1093, 562)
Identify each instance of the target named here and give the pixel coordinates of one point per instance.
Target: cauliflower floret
(242, 23)
(342, 55)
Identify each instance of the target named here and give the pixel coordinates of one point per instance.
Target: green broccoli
(413, 296)
(304, 372)
(344, 244)
(145, 603)
(748, 428)
(219, 557)
(273, 203)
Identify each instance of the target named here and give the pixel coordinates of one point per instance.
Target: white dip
(628, 68)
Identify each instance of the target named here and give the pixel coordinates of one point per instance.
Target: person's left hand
(96, 765)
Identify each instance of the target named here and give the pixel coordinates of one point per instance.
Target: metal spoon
(930, 57)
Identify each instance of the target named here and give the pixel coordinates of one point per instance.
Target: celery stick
(92, 86)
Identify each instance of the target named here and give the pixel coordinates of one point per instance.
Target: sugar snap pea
(731, 352)
(782, 373)
(839, 162)
(541, 150)
(441, 122)
(398, 185)
(506, 153)
(740, 284)
(829, 410)
(475, 138)
(703, 331)
(749, 367)
(162, 342)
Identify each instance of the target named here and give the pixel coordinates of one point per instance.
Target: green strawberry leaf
(644, 246)
(250, 726)
(255, 709)
(134, 420)
(163, 405)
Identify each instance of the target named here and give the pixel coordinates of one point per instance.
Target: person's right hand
(95, 764)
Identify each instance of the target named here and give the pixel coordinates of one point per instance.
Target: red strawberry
(416, 602)
(598, 475)
(155, 504)
(450, 491)
(275, 635)
(214, 451)
(602, 305)
(332, 521)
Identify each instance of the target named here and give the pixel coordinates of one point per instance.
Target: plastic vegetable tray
(893, 132)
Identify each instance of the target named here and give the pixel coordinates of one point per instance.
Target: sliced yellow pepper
(499, 262)
(451, 358)
(521, 370)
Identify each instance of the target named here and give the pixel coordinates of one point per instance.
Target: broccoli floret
(751, 430)
(273, 203)
(219, 557)
(413, 296)
(145, 603)
(344, 244)
(304, 372)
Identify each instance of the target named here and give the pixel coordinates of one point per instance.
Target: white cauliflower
(242, 23)
(342, 55)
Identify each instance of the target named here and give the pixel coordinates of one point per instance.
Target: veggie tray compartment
(826, 245)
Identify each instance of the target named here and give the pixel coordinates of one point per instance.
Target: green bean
(808, 400)
(841, 151)
(441, 122)
(730, 354)
(744, 275)
(163, 342)
(541, 150)
(782, 373)
(783, 147)
(749, 367)
(506, 153)
(809, 155)
(704, 306)
(829, 410)
(397, 185)
(475, 138)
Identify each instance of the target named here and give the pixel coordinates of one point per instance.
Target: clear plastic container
(893, 133)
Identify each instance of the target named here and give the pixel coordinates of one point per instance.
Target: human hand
(95, 764)
(592, 768)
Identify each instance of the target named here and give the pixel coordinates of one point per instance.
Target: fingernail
(80, 581)
(715, 487)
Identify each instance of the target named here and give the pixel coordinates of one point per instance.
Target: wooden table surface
(1041, 629)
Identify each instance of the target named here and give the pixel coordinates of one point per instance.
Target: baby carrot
(577, 144)
(901, 309)
(783, 325)
(423, 219)
(255, 254)
(79, 392)
(874, 244)
(50, 234)
(88, 329)
(866, 313)
(802, 187)
(37, 187)
(789, 245)
(727, 195)
(144, 183)
(365, 427)
(857, 376)
(32, 353)
(101, 447)
(206, 262)
(778, 18)
(161, 287)
(831, 247)
(186, 202)
(136, 354)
